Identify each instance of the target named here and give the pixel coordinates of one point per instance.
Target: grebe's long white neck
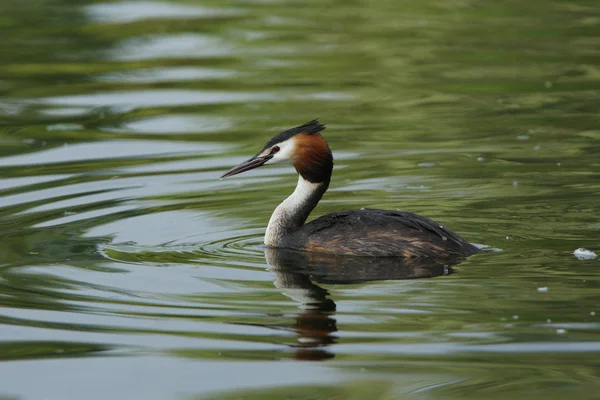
(291, 214)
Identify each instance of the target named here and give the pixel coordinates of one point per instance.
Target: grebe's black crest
(364, 232)
(308, 128)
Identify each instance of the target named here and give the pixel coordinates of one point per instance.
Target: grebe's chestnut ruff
(364, 232)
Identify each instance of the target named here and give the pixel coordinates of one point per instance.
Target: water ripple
(237, 248)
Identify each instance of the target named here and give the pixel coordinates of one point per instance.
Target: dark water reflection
(128, 270)
(330, 269)
(297, 275)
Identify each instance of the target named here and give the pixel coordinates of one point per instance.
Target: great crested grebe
(364, 232)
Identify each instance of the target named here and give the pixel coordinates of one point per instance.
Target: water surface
(128, 270)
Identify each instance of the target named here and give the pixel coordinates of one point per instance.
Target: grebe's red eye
(275, 149)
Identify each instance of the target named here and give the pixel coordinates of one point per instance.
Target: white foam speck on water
(542, 289)
(584, 254)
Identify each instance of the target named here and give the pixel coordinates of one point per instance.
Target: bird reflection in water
(297, 274)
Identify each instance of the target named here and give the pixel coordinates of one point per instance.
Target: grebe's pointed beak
(252, 163)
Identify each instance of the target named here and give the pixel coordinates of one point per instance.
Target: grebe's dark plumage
(364, 232)
(379, 233)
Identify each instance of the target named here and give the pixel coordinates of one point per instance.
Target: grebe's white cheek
(278, 160)
(285, 153)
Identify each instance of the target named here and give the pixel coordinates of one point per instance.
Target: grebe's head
(302, 146)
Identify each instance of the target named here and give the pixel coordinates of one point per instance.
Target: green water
(128, 270)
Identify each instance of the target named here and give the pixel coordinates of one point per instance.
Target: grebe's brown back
(364, 232)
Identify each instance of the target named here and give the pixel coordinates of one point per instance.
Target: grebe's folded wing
(382, 233)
